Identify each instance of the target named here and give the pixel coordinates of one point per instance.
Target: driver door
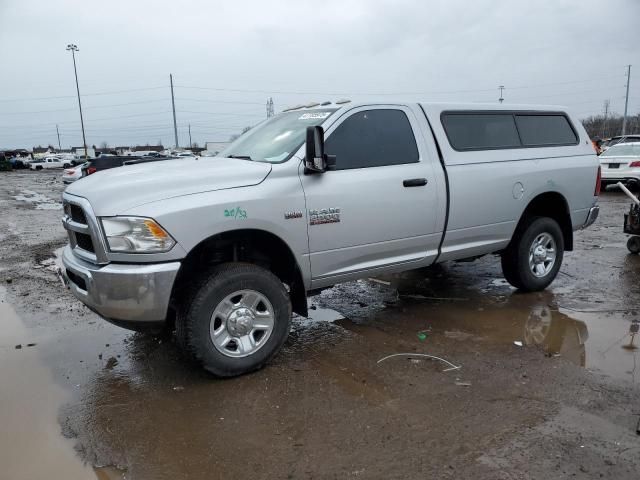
(378, 208)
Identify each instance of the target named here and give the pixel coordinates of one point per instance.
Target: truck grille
(77, 214)
(84, 242)
(82, 227)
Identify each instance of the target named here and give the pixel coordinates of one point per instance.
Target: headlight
(136, 235)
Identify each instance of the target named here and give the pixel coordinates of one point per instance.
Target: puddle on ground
(41, 202)
(319, 314)
(31, 444)
(602, 340)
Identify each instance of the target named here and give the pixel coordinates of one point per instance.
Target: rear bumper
(614, 176)
(133, 293)
(592, 216)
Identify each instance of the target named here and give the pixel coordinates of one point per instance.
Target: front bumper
(592, 216)
(132, 293)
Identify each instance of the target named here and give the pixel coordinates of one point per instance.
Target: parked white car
(50, 162)
(621, 163)
(70, 175)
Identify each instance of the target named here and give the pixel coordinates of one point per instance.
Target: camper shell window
(507, 130)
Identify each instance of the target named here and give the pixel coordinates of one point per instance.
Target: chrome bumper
(125, 292)
(593, 215)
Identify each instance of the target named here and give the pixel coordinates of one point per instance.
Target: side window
(373, 138)
(476, 131)
(545, 130)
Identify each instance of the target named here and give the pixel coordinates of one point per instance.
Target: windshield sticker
(236, 213)
(314, 115)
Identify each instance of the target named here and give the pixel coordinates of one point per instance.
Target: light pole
(73, 49)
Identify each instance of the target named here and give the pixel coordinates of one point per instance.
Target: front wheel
(533, 258)
(236, 320)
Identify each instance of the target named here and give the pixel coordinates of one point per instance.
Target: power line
(95, 94)
(554, 84)
(232, 102)
(221, 113)
(39, 111)
(239, 90)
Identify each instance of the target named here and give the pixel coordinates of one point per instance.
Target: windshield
(276, 139)
(623, 150)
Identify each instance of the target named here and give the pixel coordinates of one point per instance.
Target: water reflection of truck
(557, 334)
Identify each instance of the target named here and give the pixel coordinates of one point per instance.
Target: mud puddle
(31, 446)
(602, 337)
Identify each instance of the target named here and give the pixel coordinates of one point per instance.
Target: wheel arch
(256, 246)
(553, 205)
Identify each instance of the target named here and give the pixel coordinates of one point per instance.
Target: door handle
(415, 182)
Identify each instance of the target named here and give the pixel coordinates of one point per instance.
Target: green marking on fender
(236, 213)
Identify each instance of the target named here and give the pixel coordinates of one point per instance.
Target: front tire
(236, 320)
(534, 256)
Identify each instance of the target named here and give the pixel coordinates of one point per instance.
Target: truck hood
(114, 191)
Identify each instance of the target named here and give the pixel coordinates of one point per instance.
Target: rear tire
(534, 256)
(633, 244)
(241, 304)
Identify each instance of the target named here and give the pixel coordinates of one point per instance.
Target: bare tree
(104, 145)
(611, 125)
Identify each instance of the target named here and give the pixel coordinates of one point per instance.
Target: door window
(373, 138)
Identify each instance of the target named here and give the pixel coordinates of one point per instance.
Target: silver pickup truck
(228, 247)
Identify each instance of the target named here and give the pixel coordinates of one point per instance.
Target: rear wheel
(533, 258)
(236, 320)
(633, 244)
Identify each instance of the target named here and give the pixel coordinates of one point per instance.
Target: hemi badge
(294, 214)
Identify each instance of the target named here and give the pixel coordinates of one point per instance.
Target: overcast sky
(228, 57)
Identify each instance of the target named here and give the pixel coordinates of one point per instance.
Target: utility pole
(270, 111)
(501, 99)
(173, 106)
(73, 49)
(606, 115)
(190, 142)
(626, 101)
(58, 133)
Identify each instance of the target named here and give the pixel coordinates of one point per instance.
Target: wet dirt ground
(547, 386)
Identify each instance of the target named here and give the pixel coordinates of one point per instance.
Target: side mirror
(315, 160)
